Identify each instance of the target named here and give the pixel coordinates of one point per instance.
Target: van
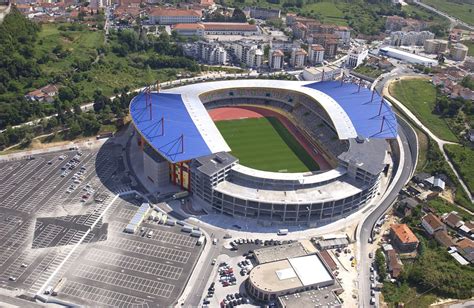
(196, 233)
(187, 229)
(372, 300)
(282, 232)
(48, 290)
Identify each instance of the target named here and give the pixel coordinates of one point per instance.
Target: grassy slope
(111, 72)
(470, 45)
(265, 144)
(463, 160)
(458, 10)
(328, 11)
(419, 96)
(81, 44)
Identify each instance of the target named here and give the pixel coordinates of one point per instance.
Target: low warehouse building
(270, 280)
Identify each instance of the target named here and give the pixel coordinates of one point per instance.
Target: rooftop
(177, 128)
(369, 117)
(188, 26)
(228, 26)
(291, 273)
(404, 233)
(324, 297)
(433, 221)
(174, 12)
(280, 252)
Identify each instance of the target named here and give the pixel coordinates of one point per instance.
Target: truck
(196, 233)
(180, 195)
(282, 232)
(187, 229)
(201, 240)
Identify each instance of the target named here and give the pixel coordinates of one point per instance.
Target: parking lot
(145, 270)
(49, 201)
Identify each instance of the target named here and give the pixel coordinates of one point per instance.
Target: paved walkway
(440, 142)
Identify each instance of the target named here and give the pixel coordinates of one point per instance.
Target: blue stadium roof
(177, 130)
(362, 111)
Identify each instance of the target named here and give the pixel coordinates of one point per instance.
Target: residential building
(315, 54)
(407, 205)
(466, 249)
(261, 13)
(403, 238)
(248, 53)
(443, 238)
(166, 16)
(298, 58)
(459, 52)
(452, 220)
(276, 59)
(344, 34)
(44, 94)
(211, 53)
(411, 38)
(435, 183)
(435, 46)
(393, 263)
(431, 223)
(356, 57)
(327, 40)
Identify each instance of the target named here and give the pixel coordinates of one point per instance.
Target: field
(419, 95)
(459, 9)
(470, 45)
(66, 49)
(328, 12)
(265, 144)
(463, 160)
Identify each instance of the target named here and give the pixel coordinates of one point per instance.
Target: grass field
(328, 12)
(419, 95)
(470, 45)
(459, 9)
(463, 159)
(266, 144)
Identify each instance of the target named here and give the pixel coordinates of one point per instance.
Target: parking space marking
(135, 264)
(13, 242)
(46, 237)
(125, 281)
(149, 249)
(104, 297)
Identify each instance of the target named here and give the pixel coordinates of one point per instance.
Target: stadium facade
(349, 125)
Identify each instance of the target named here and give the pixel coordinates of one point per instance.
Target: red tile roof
(188, 27)
(404, 234)
(174, 12)
(218, 26)
(433, 221)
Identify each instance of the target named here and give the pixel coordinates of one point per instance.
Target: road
(365, 229)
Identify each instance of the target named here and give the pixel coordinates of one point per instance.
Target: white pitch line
(40, 291)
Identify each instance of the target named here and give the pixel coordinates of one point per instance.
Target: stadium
(279, 152)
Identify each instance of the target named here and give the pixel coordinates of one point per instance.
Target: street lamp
(309, 214)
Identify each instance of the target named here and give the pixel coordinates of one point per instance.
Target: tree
(381, 265)
(66, 94)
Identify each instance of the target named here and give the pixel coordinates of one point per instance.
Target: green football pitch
(265, 144)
